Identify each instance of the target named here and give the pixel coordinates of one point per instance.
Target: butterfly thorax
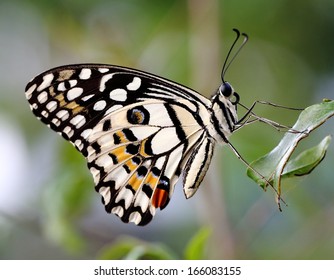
(223, 113)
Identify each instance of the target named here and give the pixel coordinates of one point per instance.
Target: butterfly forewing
(139, 132)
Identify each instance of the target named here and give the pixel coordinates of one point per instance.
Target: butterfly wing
(137, 131)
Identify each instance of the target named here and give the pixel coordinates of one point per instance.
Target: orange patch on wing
(122, 138)
(131, 165)
(138, 116)
(152, 180)
(159, 198)
(135, 181)
(73, 106)
(142, 149)
(121, 154)
(61, 100)
(65, 75)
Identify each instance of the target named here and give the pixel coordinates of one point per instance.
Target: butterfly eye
(226, 89)
(236, 98)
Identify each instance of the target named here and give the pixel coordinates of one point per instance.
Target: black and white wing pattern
(138, 132)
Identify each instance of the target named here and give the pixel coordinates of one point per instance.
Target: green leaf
(128, 248)
(196, 248)
(306, 161)
(275, 164)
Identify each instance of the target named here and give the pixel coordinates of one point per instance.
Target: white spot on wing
(91, 154)
(51, 106)
(68, 131)
(135, 84)
(44, 113)
(118, 94)
(96, 174)
(105, 192)
(126, 195)
(78, 121)
(74, 93)
(78, 144)
(73, 83)
(104, 160)
(61, 87)
(63, 115)
(135, 217)
(47, 79)
(87, 97)
(56, 121)
(103, 70)
(118, 210)
(119, 175)
(100, 105)
(142, 200)
(86, 133)
(85, 74)
(42, 97)
(30, 91)
(104, 79)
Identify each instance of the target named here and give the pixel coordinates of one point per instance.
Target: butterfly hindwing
(137, 131)
(137, 165)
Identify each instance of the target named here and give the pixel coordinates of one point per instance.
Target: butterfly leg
(279, 198)
(251, 117)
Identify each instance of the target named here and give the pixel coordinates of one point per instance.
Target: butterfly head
(224, 102)
(228, 92)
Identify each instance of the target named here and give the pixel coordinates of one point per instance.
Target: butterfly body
(138, 132)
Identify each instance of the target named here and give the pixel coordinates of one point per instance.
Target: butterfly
(138, 132)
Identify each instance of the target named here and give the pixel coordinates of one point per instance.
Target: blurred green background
(48, 206)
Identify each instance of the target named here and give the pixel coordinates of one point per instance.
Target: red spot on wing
(159, 199)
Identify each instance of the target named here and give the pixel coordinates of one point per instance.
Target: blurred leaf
(273, 164)
(65, 201)
(197, 246)
(134, 249)
(64, 233)
(117, 251)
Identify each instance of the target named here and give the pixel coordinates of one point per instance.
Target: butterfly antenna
(227, 65)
